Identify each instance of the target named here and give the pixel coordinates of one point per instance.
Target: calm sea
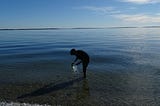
(39, 55)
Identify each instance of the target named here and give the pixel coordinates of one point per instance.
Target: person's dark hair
(73, 51)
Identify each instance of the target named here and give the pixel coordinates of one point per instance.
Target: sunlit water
(124, 55)
(27, 54)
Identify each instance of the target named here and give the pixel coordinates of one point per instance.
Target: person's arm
(74, 61)
(79, 63)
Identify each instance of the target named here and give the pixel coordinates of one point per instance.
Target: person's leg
(84, 72)
(84, 69)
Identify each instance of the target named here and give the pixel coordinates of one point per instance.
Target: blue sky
(78, 13)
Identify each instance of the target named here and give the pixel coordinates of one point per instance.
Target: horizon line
(59, 28)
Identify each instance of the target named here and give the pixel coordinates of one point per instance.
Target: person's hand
(72, 64)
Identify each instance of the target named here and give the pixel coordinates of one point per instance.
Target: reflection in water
(82, 90)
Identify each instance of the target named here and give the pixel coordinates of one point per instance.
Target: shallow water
(124, 68)
(42, 54)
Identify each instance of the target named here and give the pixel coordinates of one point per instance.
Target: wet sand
(99, 89)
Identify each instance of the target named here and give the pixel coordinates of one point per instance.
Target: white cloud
(104, 10)
(141, 1)
(158, 14)
(135, 18)
(132, 8)
(140, 18)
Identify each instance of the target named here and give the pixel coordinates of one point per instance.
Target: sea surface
(34, 54)
(123, 59)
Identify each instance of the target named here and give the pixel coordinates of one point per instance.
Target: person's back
(83, 56)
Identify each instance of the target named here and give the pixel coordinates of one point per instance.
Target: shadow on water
(51, 88)
(83, 90)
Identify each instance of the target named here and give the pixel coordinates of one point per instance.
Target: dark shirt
(82, 56)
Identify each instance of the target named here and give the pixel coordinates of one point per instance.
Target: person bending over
(83, 57)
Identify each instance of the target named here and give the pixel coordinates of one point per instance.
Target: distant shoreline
(75, 28)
